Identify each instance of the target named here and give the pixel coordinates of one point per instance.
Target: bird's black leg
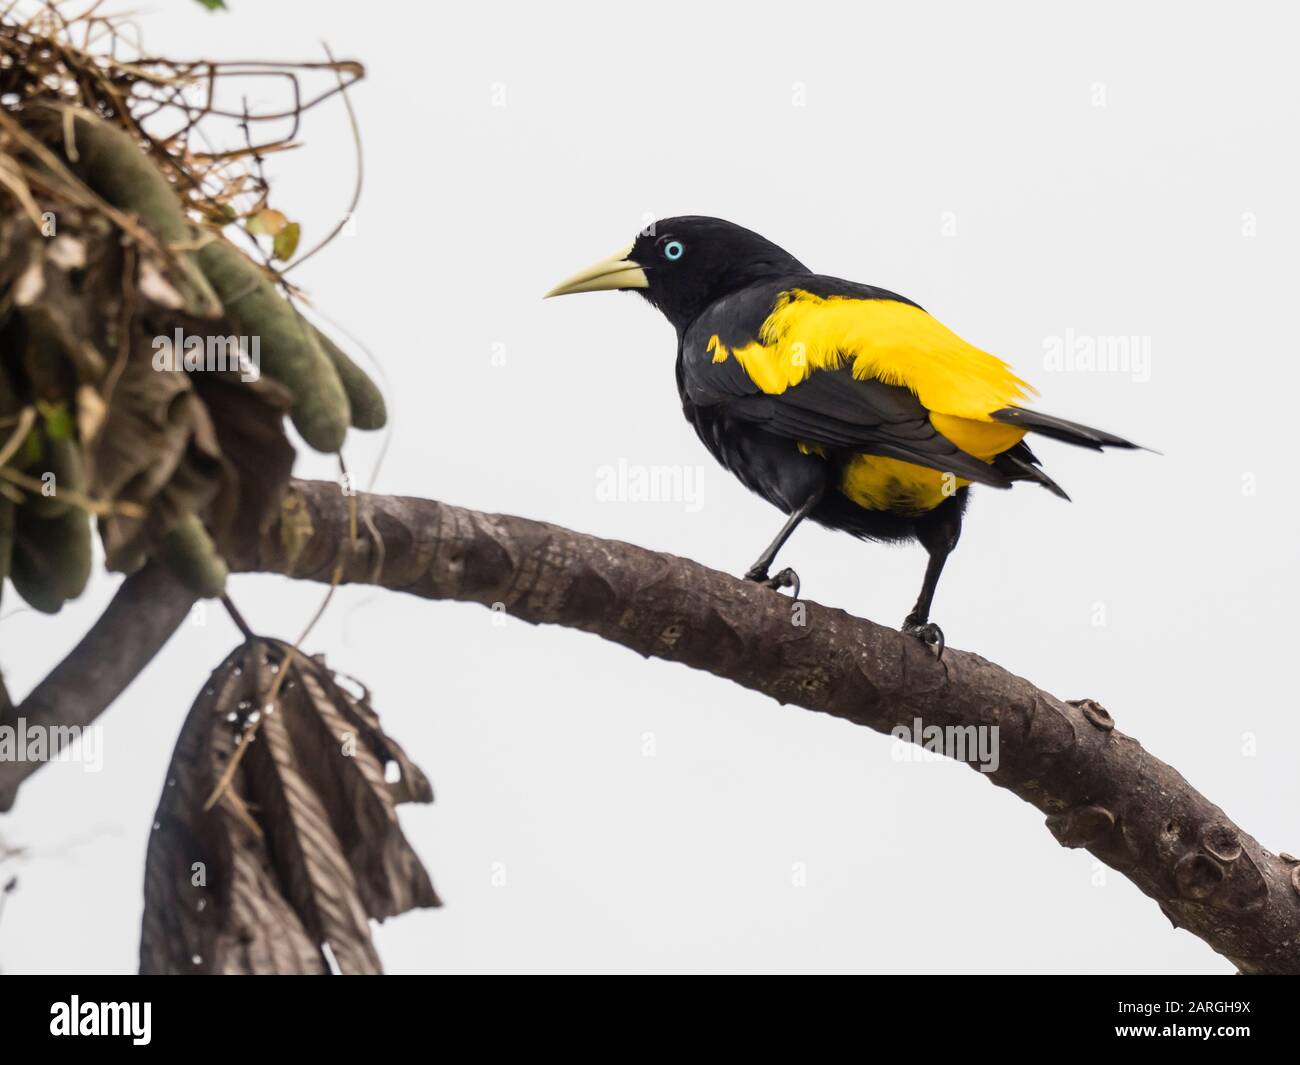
(938, 532)
(787, 578)
(918, 622)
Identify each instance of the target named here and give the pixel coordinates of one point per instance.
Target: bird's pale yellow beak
(618, 271)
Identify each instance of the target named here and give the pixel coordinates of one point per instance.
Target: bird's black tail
(1021, 464)
(1059, 429)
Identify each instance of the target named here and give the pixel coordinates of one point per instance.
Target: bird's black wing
(833, 410)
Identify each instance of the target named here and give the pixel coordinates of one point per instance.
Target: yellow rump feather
(880, 483)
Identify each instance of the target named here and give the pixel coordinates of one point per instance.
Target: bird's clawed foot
(927, 632)
(787, 578)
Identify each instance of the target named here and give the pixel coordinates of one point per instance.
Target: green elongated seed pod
(51, 557)
(116, 167)
(63, 459)
(290, 352)
(193, 557)
(111, 162)
(368, 408)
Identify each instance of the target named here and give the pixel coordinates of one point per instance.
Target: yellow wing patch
(893, 342)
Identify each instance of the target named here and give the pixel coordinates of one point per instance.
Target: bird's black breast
(776, 469)
(764, 463)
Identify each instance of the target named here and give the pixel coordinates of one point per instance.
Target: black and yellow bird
(834, 401)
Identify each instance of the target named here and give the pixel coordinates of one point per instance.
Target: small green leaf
(58, 420)
(214, 5)
(286, 241)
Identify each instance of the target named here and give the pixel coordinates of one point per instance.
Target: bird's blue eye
(673, 250)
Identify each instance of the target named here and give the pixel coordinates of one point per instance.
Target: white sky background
(1123, 219)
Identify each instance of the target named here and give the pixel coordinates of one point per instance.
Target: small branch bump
(1094, 712)
(1222, 841)
(1197, 875)
(1081, 826)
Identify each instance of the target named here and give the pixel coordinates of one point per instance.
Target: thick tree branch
(1099, 788)
(147, 609)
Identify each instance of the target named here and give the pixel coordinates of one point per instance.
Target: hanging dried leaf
(304, 847)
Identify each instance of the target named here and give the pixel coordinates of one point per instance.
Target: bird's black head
(681, 265)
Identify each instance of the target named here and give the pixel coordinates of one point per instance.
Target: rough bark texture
(1098, 787)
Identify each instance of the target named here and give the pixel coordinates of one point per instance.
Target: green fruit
(290, 350)
(366, 401)
(51, 557)
(112, 163)
(189, 551)
(63, 459)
